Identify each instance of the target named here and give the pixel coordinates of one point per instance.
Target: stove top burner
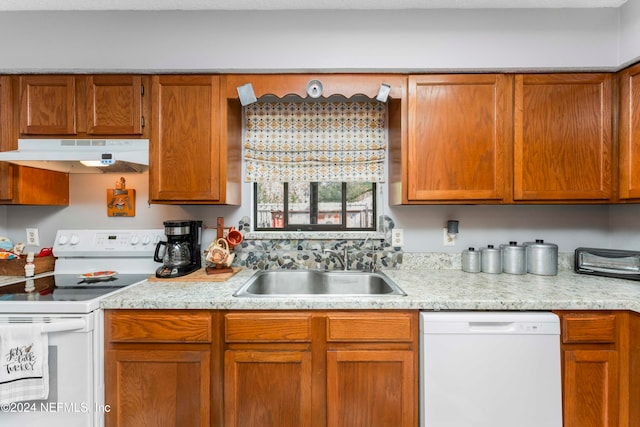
(65, 287)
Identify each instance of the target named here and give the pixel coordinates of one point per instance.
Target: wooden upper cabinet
(458, 134)
(629, 136)
(21, 185)
(48, 105)
(563, 137)
(114, 105)
(188, 163)
(82, 106)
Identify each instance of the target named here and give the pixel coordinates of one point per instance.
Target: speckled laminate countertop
(426, 289)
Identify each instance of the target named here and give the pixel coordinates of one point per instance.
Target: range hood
(66, 155)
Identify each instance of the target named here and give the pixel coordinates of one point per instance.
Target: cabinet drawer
(160, 327)
(261, 327)
(588, 328)
(396, 327)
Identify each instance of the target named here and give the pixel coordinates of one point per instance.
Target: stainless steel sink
(306, 283)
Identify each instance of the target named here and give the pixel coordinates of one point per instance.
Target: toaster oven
(608, 263)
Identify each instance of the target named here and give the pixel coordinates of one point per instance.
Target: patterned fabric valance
(315, 141)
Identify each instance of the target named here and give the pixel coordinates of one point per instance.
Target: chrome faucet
(342, 257)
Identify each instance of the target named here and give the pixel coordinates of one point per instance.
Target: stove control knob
(146, 240)
(74, 239)
(63, 240)
(135, 240)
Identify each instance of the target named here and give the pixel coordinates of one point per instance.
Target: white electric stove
(67, 304)
(126, 255)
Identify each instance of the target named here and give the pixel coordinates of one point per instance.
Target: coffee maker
(181, 254)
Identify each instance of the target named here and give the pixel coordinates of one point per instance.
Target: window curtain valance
(315, 141)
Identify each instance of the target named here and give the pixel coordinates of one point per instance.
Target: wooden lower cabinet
(159, 366)
(298, 369)
(159, 387)
(268, 388)
(329, 368)
(600, 361)
(370, 388)
(591, 388)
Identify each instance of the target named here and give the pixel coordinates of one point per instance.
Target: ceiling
(50, 5)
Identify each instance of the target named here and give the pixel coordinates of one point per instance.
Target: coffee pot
(180, 253)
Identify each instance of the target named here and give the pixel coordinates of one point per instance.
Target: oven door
(74, 394)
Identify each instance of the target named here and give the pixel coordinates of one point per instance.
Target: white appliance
(81, 155)
(68, 306)
(490, 369)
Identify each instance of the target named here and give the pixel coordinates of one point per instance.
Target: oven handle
(64, 326)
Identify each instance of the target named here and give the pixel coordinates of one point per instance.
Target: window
(315, 164)
(319, 206)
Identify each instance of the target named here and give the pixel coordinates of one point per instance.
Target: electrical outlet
(448, 239)
(33, 237)
(397, 237)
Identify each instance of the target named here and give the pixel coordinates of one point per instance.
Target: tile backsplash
(281, 251)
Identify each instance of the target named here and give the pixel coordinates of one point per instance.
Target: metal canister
(491, 260)
(542, 258)
(514, 259)
(471, 261)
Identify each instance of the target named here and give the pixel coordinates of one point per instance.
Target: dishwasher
(490, 369)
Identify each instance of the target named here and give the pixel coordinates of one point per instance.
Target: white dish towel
(24, 363)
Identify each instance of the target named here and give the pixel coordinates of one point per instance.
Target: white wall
(428, 40)
(629, 32)
(321, 40)
(568, 226)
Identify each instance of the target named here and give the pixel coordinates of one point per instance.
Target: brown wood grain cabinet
(459, 138)
(21, 185)
(82, 105)
(600, 361)
(629, 133)
(372, 375)
(329, 368)
(269, 368)
(493, 138)
(563, 138)
(321, 369)
(189, 163)
(159, 367)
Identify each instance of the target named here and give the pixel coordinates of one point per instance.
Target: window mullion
(344, 205)
(285, 204)
(313, 203)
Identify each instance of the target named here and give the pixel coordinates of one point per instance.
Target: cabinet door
(151, 388)
(114, 105)
(562, 137)
(590, 386)
(267, 388)
(370, 388)
(6, 187)
(458, 130)
(185, 147)
(630, 133)
(48, 105)
(21, 184)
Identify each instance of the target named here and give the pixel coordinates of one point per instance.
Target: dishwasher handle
(492, 327)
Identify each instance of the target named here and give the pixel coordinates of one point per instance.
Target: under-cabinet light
(93, 163)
